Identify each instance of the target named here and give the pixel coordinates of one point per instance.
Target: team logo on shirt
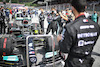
(87, 27)
(85, 20)
(84, 35)
(83, 43)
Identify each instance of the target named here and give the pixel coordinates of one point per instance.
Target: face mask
(2, 10)
(52, 11)
(23, 12)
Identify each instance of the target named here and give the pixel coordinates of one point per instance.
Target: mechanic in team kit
(2, 20)
(52, 25)
(79, 37)
(24, 14)
(41, 19)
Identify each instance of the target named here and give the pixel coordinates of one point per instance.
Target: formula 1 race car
(39, 51)
(18, 17)
(10, 53)
(44, 47)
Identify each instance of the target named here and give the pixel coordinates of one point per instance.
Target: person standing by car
(79, 37)
(24, 14)
(41, 19)
(10, 14)
(2, 21)
(94, 16)
(52, 24)
(7, 12)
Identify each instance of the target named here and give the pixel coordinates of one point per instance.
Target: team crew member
(7, 12)
(2, 21)
(79, 38)
(49, 19)
(52, 23)
(94, 16)
(24, 14)
(41, 19)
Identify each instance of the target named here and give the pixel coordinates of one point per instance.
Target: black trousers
(52, 26)
(79, 62)
(42, 25)
(48, 28)
(2, 28)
